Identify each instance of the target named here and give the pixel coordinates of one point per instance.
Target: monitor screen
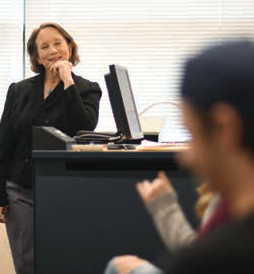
(123, 103)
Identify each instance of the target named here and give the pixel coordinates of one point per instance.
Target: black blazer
(68, 110)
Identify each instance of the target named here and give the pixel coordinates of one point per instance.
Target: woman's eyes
(56, 44)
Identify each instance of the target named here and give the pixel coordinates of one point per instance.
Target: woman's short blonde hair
(33, 51)
(205, 196)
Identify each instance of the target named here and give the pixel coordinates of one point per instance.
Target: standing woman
(55, 97)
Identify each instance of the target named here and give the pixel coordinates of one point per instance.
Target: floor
(6, 265)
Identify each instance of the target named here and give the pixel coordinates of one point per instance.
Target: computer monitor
(123, 103)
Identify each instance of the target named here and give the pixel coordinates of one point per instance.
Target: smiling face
(51, 47)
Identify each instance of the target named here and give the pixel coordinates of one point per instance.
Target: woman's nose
(52, 50)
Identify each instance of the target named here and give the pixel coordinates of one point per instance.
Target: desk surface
(141, 151)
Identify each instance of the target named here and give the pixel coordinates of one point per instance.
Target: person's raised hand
(63, 68)
(151, 190)
(3, 210)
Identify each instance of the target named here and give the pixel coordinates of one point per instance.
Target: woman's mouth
(55, 59)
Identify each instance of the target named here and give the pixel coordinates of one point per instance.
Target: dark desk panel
(87, 208)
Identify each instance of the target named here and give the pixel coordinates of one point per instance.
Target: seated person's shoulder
(228, 248)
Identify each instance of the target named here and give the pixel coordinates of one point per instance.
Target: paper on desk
(159, 144)
(172, 146)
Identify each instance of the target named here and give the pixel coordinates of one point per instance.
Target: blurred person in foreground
(217, 98)
(161, 201)
(55, 97)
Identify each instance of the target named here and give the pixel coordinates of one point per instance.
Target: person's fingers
(126, 263)
(143, 186)
(56, 69)
(165, 181)
(128, 259)
(146, 184)
(157, 182)
(140, 193)
(64, 69)
(143, 189)
(5, 209)
(124, 257)
(53, 70)
(2, 219)
(139, 187)
(162, 175)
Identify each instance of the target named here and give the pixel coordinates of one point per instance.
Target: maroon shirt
(221, 215)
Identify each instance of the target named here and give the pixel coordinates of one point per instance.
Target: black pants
(20, 227)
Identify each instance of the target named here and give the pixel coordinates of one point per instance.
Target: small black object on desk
(121, 146)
